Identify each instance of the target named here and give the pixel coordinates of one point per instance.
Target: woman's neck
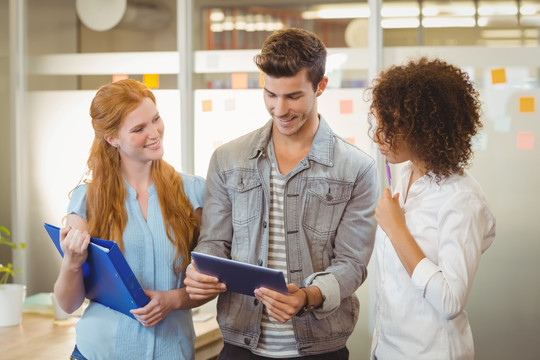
(138, 176)
(418, 170)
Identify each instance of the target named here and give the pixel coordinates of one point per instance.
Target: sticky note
(239, 81)
(480, 141)
(212, 61)
(117, 77)
(526, 104)
(151, 80)
(207, 105)
(502, 123)
(351, 140)
(230, 104)
(498, 76)
(216, 144)
(525, 140)
(346, 106)
(261, 80)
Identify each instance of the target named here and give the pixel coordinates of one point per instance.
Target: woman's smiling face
(141, 134)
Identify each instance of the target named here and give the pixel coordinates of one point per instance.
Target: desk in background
(39, 336)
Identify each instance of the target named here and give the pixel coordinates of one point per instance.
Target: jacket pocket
(245, 191)
(338, 325)
(325, 202)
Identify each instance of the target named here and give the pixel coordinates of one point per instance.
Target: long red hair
(106, 194)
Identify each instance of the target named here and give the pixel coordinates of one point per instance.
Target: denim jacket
(329, 204)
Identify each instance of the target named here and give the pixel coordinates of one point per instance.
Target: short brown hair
(287, 51)
(433, 107)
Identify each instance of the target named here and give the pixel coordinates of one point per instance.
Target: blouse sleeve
(467, 228)
(194, 189)
(77, 202)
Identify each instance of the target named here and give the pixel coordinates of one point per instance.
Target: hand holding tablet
(239, 277)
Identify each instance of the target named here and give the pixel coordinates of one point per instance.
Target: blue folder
(239, 277)
(108, 279)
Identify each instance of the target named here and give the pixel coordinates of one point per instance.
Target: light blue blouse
(103, 333)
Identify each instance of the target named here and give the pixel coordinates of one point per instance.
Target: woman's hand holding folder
(74, 244)
(69, 287)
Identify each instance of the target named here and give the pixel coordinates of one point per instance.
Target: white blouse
(423, 317)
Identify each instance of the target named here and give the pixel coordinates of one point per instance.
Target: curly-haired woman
(434, 229)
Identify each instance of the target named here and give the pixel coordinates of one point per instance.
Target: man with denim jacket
(293, 196)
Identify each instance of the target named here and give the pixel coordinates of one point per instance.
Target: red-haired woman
(135, 198)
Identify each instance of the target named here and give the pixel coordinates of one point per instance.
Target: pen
(388, 176)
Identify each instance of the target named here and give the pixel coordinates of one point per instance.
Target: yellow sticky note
(498, 76)
(117, 77)
(261, 80)
(346, 106)
(151, 80)
(525, 140)
(239, 81)
(526, 104)
(207, 105)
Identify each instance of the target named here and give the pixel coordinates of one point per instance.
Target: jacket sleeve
(216, 227)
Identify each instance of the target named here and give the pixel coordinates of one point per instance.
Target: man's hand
(200, 286)
(279, 306)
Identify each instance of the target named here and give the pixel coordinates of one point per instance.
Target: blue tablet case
(239, 277)
(108, 279)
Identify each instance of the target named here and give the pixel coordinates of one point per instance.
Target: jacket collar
(322, 147)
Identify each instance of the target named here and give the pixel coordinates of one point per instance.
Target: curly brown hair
(287, 51)
(433, 107)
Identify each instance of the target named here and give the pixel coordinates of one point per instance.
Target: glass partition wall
(70, 50)
(197, 55)
(5, 134)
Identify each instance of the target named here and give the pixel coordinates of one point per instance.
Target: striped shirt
(277, 339)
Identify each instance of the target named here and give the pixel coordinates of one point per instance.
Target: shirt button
(241, 186)
(329, 197)
(247, 341)
(256, 302)
(265, 224)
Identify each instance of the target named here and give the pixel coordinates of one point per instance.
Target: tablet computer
(239, 277)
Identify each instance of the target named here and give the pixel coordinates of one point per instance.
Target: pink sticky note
(525, 140)
(217, 144)
(239, 81)
(206, 105)
(117, 77)
(351, 140)
(346, 106)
